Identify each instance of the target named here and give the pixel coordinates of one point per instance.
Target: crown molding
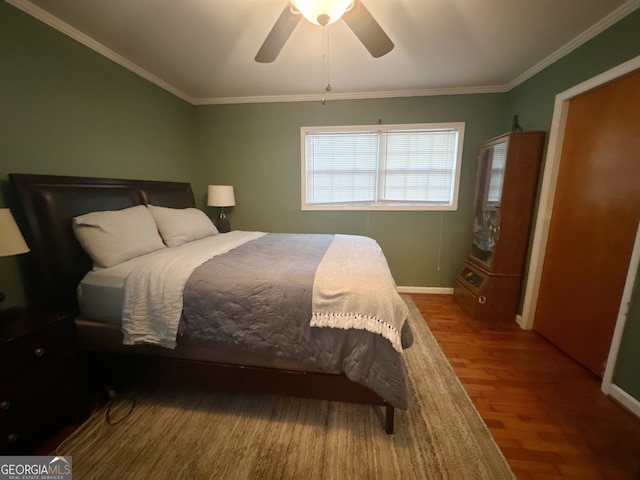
(89, 42)
(578, 41)
(328, 97)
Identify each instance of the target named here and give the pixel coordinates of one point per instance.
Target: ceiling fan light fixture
(322, 12)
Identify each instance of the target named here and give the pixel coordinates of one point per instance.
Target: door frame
(608, 387)
(547, 196)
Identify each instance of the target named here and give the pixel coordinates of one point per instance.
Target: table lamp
(221, 196)
(11, 240)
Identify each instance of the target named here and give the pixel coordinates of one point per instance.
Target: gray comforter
(258, 298)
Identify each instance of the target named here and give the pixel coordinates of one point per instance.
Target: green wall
(67, 110)
(256, 148)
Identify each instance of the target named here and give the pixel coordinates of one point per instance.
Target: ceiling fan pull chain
(326, 64)
(328, 87)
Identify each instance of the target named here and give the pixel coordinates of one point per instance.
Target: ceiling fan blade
(278, 36)
(367, 29)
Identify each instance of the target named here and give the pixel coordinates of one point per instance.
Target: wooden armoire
(488, 286)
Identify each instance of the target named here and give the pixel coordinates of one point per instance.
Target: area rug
(186, 434)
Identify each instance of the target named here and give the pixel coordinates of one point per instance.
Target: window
(381, 167)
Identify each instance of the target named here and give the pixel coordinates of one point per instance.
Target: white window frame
(403, 206)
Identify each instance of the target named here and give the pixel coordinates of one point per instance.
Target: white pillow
(182, 225)
(114, 236)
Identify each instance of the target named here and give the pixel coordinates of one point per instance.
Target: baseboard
(623, 398)
(431, 290)
(520, 321)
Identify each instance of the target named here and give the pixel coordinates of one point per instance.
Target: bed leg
(388, 419)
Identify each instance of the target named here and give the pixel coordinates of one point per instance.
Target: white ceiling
(203, 50)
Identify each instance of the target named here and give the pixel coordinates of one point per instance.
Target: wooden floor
(546, 412)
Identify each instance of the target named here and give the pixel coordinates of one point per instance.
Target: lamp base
(222, 224)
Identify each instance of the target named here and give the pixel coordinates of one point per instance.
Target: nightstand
(38, 393)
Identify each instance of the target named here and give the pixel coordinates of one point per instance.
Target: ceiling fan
(326, 12)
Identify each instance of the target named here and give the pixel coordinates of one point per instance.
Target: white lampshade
(322, 12)
(221, 196)
(11, 240)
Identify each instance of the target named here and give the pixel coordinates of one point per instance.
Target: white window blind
(388, 167)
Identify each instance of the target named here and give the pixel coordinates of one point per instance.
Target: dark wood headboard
(51, 201)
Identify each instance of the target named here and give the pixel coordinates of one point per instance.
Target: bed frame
(51, 201)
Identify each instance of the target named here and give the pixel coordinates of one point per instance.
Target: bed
(238, 353)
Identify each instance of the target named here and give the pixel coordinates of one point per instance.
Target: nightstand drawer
(35, 406)
(40, 383)
(32, 351)
(38, 391)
